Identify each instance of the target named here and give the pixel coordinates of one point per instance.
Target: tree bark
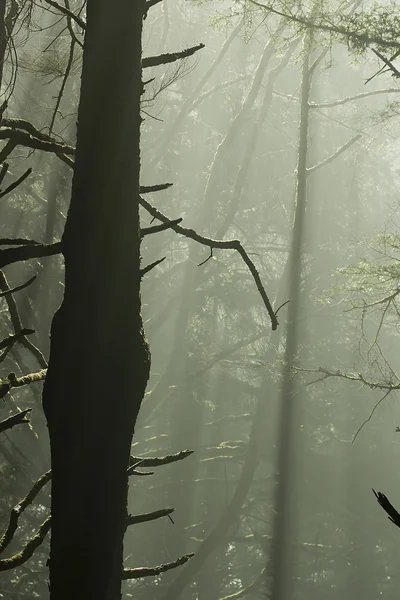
(99, 359)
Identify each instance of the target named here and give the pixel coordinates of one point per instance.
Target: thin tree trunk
(99, 360)
(281, 551)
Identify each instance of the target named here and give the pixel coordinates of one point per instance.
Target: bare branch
(16, 183)
(27, 552)
(333, 156)
(133, 471)
(151, 266)
(392, 513)
(163, 59)
(16, 419)
(18, 288)
(16, 321)
(158, 228)
(226, 245)
(67, 13)
(147, 189)
(143, 518)
(19, 509)
(26, 252)
(352, 98)
(17, 241)
(11, 339)
(151, 571)
(24, 138)
(157, 461)
(387, 62)
(20, 558)
(356, 377)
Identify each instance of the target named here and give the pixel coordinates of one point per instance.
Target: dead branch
(158, 228)
(17, 289)
(16, 183)
(133, 471)
(151, 266)
(27, 552)
(24, 138)
(17, 242)
(163, 59)
(333, 156)
(16, 419)
(157, 461)
(6, 151)
(19, 509)
(392, 513)
(143, 518)
(16, 322)
(67, 13)
(226, 245)
(387, 62)
(147, 189)
(11, 339)
(151, 571)
(26, 252)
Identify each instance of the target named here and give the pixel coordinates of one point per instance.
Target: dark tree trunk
(99, 360)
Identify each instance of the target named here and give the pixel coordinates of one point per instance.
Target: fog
(287, 140)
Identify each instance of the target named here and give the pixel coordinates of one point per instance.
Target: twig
(209, 257)
(370, 415)
(281, 306)
(63, 83)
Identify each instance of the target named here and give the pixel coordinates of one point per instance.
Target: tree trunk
(99, 359)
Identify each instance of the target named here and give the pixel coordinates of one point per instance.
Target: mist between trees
(199, 282)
